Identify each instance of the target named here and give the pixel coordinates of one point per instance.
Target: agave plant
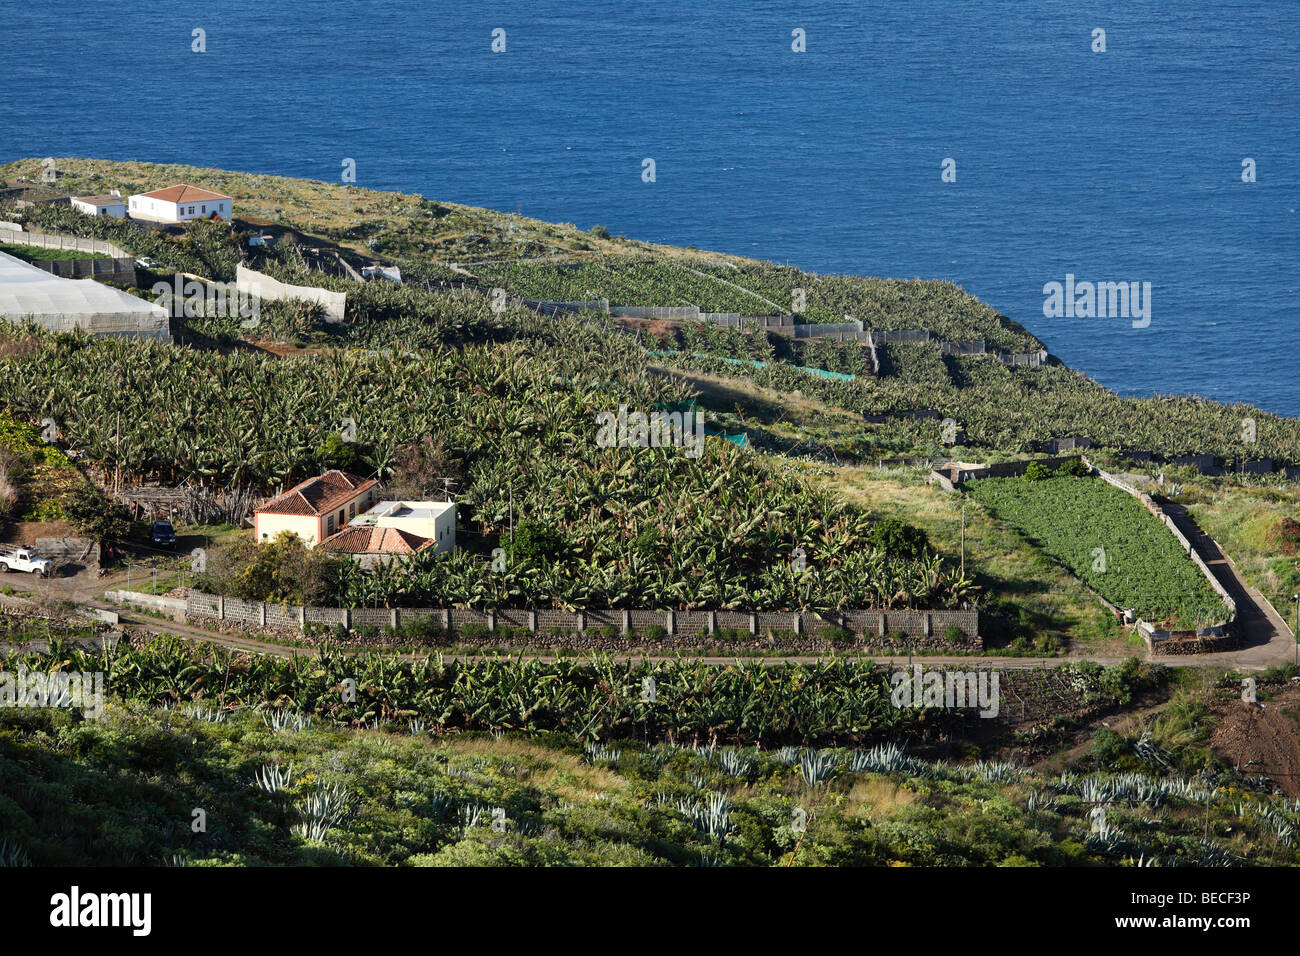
(817, 767)
(273, 778)
(1040, 803)
(601, 753)
(471, 815)
(284, 721)
(996, 771)
(13, 854)
(883, 758)
(205, 711)
(712, 816)
(322, 809)
(1148, 751)
(736, 763)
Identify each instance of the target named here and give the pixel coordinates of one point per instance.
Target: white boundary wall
(264, 287)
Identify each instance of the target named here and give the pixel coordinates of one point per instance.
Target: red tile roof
(183, 193)
(368, 540)
(320, 495)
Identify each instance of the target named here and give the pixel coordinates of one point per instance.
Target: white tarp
(61, 305)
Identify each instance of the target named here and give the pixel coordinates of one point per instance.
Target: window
(191, 212)
(352, 510)
(329, 526)
(203, 209)
(340, 516)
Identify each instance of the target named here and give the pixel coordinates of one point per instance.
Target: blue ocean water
(1117, 166)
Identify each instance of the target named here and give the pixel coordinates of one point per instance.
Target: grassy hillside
(296, 778)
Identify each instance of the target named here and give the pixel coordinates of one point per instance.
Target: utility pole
(1296, 633)
(963, 540)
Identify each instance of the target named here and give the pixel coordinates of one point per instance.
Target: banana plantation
(597, 698)
(635, 527)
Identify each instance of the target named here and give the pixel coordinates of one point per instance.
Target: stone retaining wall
(762, 629)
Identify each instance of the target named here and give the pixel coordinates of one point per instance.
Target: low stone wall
(900, 629)
(959, 472)
(68, 551)
(174, 607)
(49, 240)
(1209, 641)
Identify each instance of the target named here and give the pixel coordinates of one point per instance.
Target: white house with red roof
(315, 508)
(179, 204)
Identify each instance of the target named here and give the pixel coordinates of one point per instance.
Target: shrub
(600, 232)
(1285, 535)
(1075, 468)
(656, 632)
(895, 537)
(1108, 747)
(95, 516)
(838, 635)
(535, 542)
(953, 634)
(1037, 471)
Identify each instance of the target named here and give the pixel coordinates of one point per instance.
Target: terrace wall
(872, 628)
(49, 240)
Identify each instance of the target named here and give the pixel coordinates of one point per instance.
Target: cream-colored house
(316, 508)
(180, 204)
(434, 520)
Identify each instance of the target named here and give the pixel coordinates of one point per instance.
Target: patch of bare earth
(1262, 738)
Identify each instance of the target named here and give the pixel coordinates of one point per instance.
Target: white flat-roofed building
(434, 520)
(100, 206)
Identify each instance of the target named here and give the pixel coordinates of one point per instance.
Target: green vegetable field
(1110, 541)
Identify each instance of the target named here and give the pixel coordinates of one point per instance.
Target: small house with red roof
(315, 508)
(369, 545)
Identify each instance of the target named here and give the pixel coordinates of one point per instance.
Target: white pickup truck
(24, 559)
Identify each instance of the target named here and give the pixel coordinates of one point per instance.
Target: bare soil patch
(1262, 738)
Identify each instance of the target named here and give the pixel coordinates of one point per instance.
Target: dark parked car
(163, 534)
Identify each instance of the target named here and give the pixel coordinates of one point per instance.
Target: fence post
(532, 622)
(670, 621)
(446, 620)
(347, 618)
(882, 624)
(627, 622)
(713, 622)
(492, 620)
(302, 619)
(753, 622)
(582, 621)
(261, 614)
(929, 628)
(221, 606)
(392, 618)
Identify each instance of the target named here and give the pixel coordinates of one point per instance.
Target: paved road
(1266, 638)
